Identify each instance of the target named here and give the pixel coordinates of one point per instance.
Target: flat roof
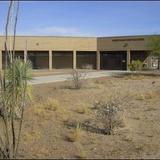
(126, 36)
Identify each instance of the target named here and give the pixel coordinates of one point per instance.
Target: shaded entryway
(139, 55)
(39, 59)
(113, 60)
(18, 54)
(86, 59)
(62, 59)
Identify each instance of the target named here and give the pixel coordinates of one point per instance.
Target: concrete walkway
(64, 77)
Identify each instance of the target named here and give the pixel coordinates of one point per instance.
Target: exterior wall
(122, 43)
(75, 44)
(53, 43)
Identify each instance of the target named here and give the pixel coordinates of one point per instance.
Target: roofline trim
(125, 36)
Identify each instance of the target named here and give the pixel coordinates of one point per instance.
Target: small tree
(153, 43)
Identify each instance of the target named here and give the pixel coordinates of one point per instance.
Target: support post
(25, 52)
(74, 60)
(25, 56)
(50, 60)
(98, 60)
(0, 60)
(128, 58)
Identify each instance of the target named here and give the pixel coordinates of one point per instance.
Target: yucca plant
(13, 92)
(13, 97)
(17, 74)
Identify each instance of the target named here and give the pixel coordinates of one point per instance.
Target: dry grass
(81, 153)
(39, 110)
(30, 136)
(76, 134)
(145, 95)
(150, 95)
(82, 108)
(51, 104)
(55, 124)
(140, 96)
(43, 108)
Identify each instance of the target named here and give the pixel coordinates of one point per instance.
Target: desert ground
(63, 122)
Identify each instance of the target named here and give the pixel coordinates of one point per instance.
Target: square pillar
(98, 60)
(25, 56)
(25, 52)
(50, 59)
(74, 60)
(128, 58)
(0, 60)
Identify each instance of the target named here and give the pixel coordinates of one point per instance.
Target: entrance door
(113, 60)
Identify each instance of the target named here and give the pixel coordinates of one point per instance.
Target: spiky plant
(13, 97)
(13, 92)
(17, 74)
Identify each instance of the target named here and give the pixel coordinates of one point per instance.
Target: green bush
(136, 65)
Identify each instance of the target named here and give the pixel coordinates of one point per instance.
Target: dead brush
(109, 114)
(76, 77)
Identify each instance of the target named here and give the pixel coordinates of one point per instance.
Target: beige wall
(122, 43)
(79, 43)
(53, 43)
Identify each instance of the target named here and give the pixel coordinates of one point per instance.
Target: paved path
(64, 77)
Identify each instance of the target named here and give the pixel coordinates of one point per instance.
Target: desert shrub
(136, 65)
(76, 77)
(108, 114)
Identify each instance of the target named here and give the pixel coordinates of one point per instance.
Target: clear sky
(79, 18)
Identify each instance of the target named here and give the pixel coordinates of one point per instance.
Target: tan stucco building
(52, 52)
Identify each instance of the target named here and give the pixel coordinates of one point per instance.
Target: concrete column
(0, 59)
(98, 60)
(25, 56)
(50, 59)
(74, 60)
(25, 52)
(128, 58)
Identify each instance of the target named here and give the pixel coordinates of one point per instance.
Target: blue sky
(79, 18)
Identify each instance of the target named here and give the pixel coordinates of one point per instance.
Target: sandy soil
(45, 131)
